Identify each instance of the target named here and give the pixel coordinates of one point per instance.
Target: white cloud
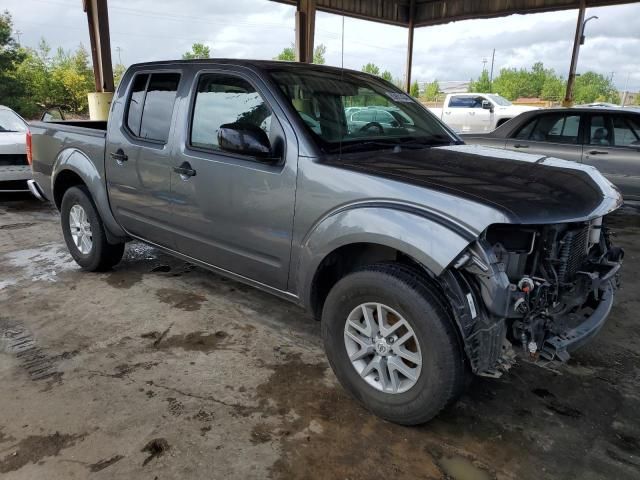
(164, 29)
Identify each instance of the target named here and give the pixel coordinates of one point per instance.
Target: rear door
(554, 134)
(612, 145)
(466, 115)
(234, 211)
(138, 157)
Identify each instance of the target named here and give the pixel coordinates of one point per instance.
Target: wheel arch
(72, 168)
(358, 236)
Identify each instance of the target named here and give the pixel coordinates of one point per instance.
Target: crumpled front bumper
(558, 347)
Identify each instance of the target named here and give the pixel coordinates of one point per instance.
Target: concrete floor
(160, 370)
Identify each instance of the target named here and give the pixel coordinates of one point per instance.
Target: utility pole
(18, 34)
(578, 40)
(484, 64)
(493, 59)
(119, 50)
(625, 93)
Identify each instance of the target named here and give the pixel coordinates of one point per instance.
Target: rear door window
(552, 128)
(151, 103)
(461, 102)
(626, 132)
(136, 101)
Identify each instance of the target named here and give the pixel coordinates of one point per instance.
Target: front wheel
(84, 232)
(391, 342)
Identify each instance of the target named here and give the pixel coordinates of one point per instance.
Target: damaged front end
(538, 290)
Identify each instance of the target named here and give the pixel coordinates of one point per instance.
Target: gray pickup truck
(424, 258)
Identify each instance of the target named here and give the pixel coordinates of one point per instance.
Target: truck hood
(527, 189)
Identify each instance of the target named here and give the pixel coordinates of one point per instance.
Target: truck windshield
(10, 122)
(503, 102)
(347, 111)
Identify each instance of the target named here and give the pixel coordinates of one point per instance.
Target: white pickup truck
(477, 112)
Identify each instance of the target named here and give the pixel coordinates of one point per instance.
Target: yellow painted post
(99, 105)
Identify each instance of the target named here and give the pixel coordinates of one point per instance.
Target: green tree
(11, 55)
(431, 91)
(118, 72)
(594, 87)
(288, 54)
(386, 75)
(553, 89)
(371, 68)
(198, 51)
(318, 54)
(482, 85)
(414, 91)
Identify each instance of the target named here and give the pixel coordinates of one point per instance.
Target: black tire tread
(452, 384)
(105, 254)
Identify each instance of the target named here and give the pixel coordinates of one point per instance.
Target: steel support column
(568, 98)
(411, 27)
(98, 19)
(305, 30)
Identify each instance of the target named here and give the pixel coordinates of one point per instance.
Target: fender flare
(432, 240)
(77, 162)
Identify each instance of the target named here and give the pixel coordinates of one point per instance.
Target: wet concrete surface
(163, 370)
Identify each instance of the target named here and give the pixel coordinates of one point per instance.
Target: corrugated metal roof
(434, 12)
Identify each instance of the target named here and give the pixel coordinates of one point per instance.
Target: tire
(409, 296)
(101, 255)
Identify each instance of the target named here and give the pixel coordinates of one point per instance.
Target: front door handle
(119, 156)
(519, 145)
(597, 152)
(185, 170)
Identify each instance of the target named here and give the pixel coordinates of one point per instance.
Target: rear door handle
(597, 152)
(185, 170)
(518, 145)
(119, 156)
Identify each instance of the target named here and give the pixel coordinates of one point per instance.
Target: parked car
(606, 138)
(14, 169)
(477, 112)
(424, 258)
(380, 119)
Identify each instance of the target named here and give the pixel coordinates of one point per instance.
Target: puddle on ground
(35, 448)
(194, 341)
(36, 264)
(461, 468)
(124, 279)
(187, 301)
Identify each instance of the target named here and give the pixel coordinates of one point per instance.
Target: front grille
(573, 250)
(13, 159)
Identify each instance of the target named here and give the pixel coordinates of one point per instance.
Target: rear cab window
(150, 105)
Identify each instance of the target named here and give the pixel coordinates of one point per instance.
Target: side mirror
(487, 105)
(245, 139)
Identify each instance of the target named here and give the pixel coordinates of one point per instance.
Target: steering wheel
(372, 127)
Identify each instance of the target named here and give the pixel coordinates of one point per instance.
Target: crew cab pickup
(477, 112)
(424, 258)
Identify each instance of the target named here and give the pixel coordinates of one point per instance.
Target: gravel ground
(161, 370)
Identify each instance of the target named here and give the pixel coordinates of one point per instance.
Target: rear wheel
(391, 343)
(84, 232)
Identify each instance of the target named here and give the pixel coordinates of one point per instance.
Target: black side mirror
(487, 105)
(245, 139)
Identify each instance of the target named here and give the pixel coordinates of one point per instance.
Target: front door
(553, 134)
(612, 145)
(234, 211)
(138, 161)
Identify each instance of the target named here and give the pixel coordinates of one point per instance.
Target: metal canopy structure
(411, 14)
(421, 13)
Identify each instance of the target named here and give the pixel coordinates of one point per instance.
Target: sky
(144, 30)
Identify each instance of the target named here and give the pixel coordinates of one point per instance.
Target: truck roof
(257, 64)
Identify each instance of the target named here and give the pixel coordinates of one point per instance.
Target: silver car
(607, 138)
(14, 168)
